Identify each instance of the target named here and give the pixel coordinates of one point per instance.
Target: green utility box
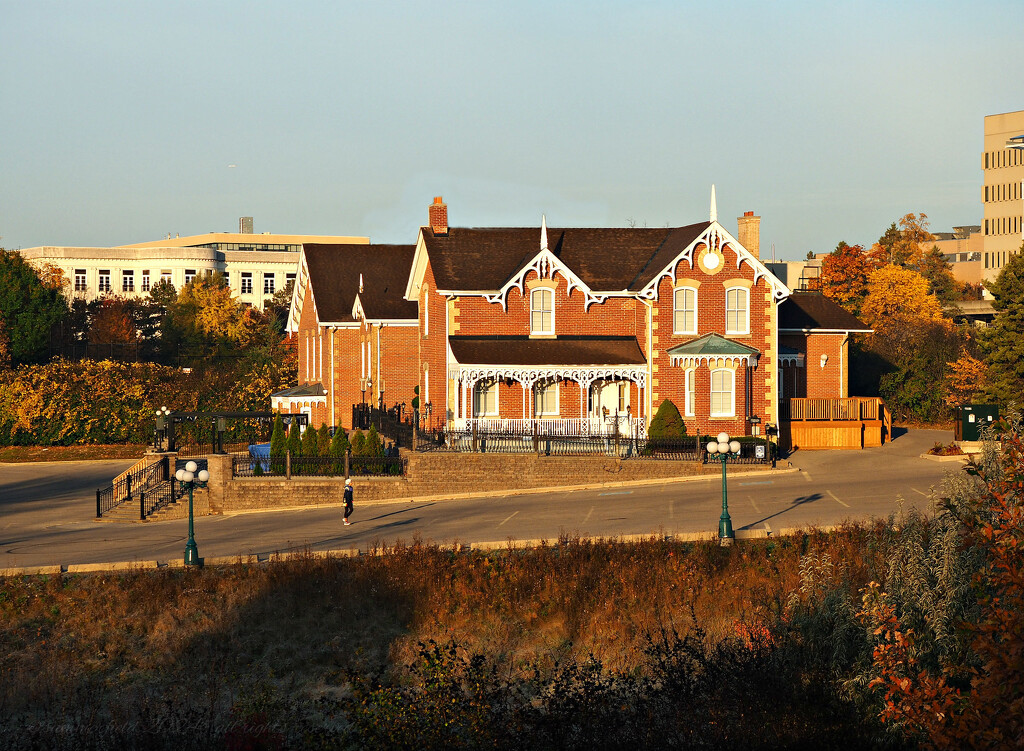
(971, 418)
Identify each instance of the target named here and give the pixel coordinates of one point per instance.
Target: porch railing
(849, 408)
(623, 425)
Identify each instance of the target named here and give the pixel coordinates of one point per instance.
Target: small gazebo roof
(711, 346)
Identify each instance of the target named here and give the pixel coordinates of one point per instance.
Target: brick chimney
(439, 216)
(749, 233)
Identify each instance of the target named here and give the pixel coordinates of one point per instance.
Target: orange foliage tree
(965, 378)
(844, 275)
(898, 297)
(977, 702)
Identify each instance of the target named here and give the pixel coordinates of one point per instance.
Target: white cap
(348, 480)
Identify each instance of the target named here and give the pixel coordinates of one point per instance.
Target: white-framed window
(542, 311)
(426, 310)
(81, 285)
(190, 274)
(545, 399)
(268, 284)
(145, 280)
(485, 398)
(227, 279)
(127, 280)
(623, 397)
(723, 393)
(165, 276)
(737, 310)
(684, 311)
(246, 282)
(690, 406)
(104, 280)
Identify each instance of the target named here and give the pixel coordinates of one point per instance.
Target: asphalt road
(47, 510)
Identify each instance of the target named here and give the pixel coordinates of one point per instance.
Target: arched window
(684, 313)
(542, 311)
(723, 393)
(737, 310)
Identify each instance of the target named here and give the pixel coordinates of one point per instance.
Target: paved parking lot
(48, 509)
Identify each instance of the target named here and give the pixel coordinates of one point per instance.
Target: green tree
(936, 269)
(1002, 344)
(667, 423)
(278, 445)
(358, 443)
(339, 446)
(323, 440)
(310, 442)
(28, 309)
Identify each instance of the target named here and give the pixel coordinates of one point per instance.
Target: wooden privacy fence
(851, 422)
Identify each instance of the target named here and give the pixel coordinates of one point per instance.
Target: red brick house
(357, 335)
(577, 330)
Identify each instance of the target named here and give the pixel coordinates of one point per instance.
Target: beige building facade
(255, 265)
(1002, 163)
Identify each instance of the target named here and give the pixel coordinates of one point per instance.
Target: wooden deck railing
(850, 408)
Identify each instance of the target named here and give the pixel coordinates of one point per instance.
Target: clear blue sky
(123, 121)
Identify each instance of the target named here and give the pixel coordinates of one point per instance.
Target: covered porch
(572, 386)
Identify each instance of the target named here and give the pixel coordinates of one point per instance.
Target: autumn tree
(844, 276)
(903, 243)
(898, 297)
(52, 276)
(1002, 343)
(28, 308)
(112, 322)
(965, 378)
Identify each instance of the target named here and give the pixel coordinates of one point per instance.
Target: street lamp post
(191, 479)
(723, 447)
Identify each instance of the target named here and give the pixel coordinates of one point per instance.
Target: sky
(121, 122)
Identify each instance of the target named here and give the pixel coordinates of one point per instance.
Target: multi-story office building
(1003, 165)
(255, 266)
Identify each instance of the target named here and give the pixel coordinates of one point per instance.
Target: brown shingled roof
(334, 274)
(812, 311)
(565, 350)
(606, 259)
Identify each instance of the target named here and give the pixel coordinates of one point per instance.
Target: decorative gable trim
(419, 269)
(298, 295)
(715, 238)
(357, 309)
(545, 265)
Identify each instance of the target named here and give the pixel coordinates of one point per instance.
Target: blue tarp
(260, 452)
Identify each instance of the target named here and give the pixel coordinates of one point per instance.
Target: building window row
(1002, 192)
(127, 280)
(1003, 158)
(1004, 225)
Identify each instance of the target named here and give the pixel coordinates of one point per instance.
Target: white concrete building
(256, 266)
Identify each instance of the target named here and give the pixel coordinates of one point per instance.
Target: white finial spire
(714, 205)
(543, 232)
(360, 282)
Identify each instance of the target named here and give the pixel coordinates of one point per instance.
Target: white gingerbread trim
(695, 360)
(717, 237)
(528, 376)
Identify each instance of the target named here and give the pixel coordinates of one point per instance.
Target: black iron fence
(248, 465)
(753, 450)
(146, 486)
(395, 424)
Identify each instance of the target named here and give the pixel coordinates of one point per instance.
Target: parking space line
(754, 504)
(806, 475)
(508, 517)
(836, 499)
(587, 517)
(919, 492)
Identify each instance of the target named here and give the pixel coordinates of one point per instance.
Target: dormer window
(542, 311)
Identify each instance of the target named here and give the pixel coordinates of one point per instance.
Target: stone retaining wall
(433, 475)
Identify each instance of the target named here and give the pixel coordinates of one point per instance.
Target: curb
(497, 545)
